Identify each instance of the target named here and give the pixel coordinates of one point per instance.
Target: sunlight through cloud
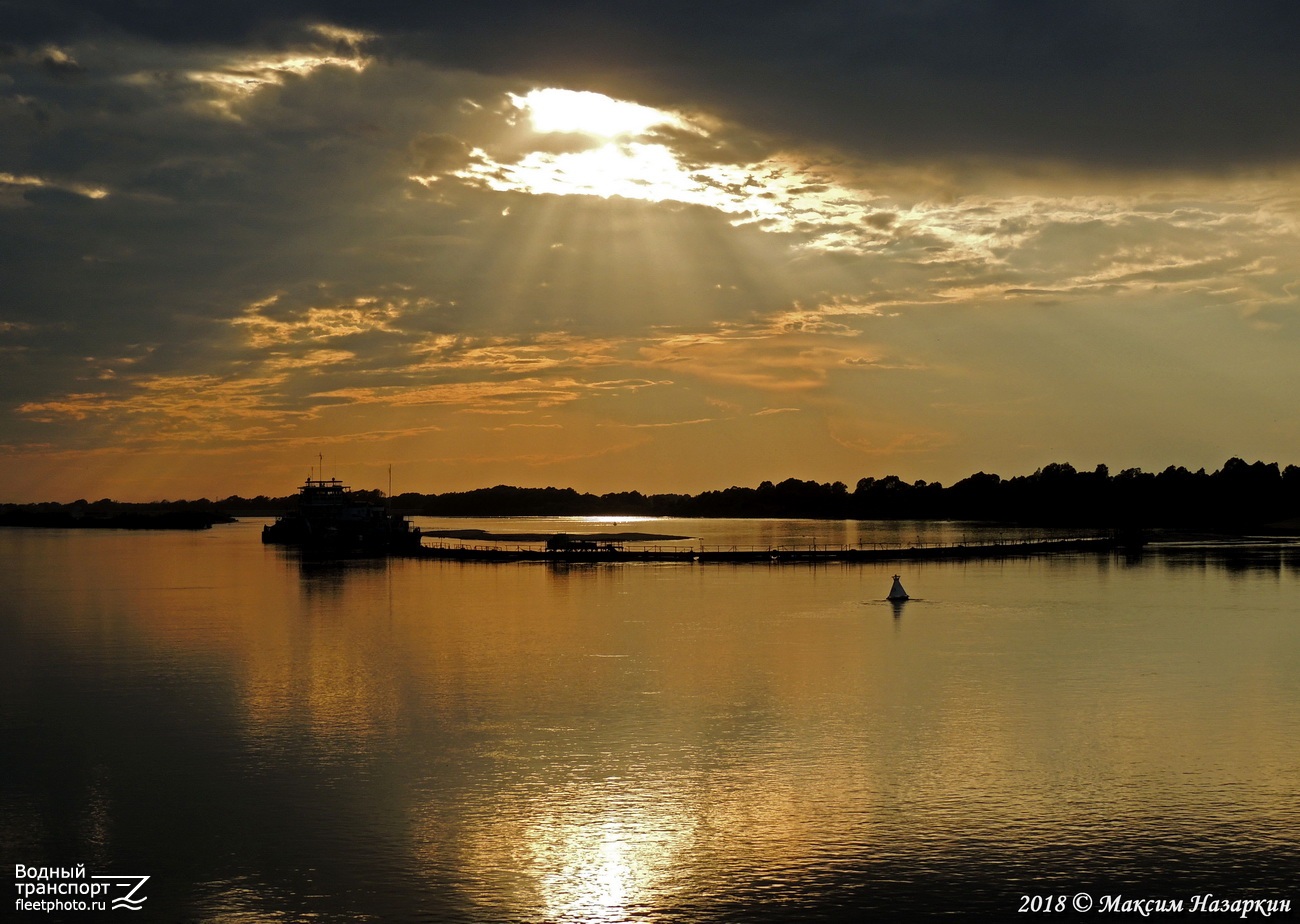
(235, 78)
(642, 155)
(15, 181)
(556, 110)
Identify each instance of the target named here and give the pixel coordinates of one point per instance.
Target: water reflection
(600, 850)
(1233, 557)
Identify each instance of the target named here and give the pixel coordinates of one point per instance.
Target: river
(276, 740)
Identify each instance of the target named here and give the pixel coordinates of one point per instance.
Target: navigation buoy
(896, 593)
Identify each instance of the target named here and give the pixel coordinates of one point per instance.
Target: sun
(637, 152)
(556, 110)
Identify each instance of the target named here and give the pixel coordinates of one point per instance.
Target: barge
(331, 517)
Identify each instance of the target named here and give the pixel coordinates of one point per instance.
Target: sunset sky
(653, 246)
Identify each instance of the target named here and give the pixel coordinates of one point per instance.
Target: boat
(896, 592)
(331, 517)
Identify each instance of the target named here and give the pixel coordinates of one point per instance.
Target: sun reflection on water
(592, 876)
(583, 851)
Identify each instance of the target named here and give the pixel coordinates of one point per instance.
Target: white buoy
(896, 592)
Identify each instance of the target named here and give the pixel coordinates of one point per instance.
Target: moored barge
(331, 517)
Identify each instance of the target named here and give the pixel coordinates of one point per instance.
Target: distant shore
(1239, 497)
(164, 519)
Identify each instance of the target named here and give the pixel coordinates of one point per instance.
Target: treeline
(110, 514)
(1238, 495)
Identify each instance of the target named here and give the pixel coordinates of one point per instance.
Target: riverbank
(61, 519)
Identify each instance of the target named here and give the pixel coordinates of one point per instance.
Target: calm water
(271, 740)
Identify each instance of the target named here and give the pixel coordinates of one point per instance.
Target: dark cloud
(437, 153)
(1198, 83)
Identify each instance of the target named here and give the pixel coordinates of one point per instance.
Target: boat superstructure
(331, 516)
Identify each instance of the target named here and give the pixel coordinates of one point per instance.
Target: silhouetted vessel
(331, 517)
(896, 592)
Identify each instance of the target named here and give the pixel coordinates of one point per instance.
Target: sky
(662, 247)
